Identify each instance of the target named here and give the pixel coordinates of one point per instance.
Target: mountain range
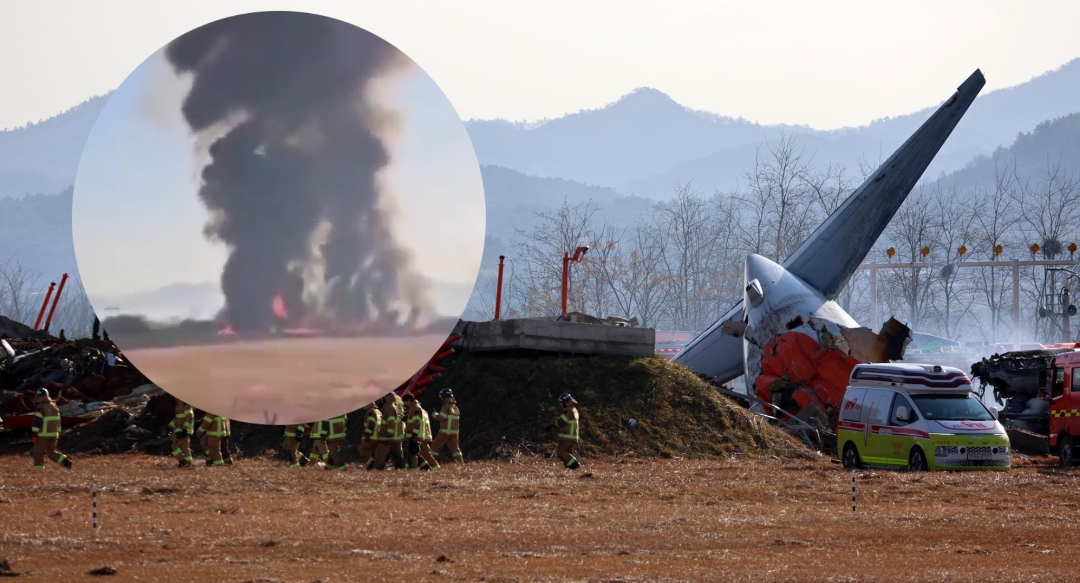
(624, 157)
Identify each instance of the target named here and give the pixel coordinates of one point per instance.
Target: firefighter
(418, 432)
(182, 427)
(370, 440)
(391, 434)
(226, 450)
(568, 426)
(211, 434)
(448, 417)
(46, 431)
(335, 437)
(317, 432)
(293, 435)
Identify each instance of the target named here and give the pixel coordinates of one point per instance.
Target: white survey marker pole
(93, 498)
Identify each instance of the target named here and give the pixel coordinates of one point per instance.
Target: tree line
(680, 264)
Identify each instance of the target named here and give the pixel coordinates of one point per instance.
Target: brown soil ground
(297, 380)
(756, 519)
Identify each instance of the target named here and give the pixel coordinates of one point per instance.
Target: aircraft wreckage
(795, 345)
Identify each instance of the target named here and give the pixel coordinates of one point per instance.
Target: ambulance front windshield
(955, 407)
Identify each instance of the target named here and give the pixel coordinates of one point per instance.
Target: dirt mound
(630, 406)
(11, 329)
(642, 406)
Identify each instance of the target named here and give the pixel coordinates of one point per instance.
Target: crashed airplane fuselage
(794, 344)
(803, 345)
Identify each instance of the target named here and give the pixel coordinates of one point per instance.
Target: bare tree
(644, 275)
(541, 251)
(829, 187)
(602, 292)
(992, 226)
(779, 196)
(954, 214)
(1049, 211)
(911, 230)
(689, 256)
(20, 296)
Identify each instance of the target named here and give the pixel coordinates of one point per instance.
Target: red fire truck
(1040, 392)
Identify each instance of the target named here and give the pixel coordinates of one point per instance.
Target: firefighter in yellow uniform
(293, 435)
(211, 432)
(568, 425)
(448, 417)
(335, 437)
(370, 440)
(182, 427)
(418, 432)
(391, 434)
(317, 433)
(46, 431)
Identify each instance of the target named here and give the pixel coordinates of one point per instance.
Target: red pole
(498, 291)
(56, 300)
(43, 304)
(565, 275)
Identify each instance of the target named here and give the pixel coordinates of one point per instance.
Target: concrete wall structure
(556, 336)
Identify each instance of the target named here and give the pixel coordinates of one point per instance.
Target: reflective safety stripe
(572, 428)
(183, 421)
(451, 426)
(421, 427)
(425, 427)
(217, 427)
(337, 428)
(395, 431)
(373, 425)
(1065, 413)
(49, 426)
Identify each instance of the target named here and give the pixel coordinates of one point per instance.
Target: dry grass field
(529, 520)
(297, 379)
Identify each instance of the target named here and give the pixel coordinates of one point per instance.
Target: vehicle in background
(918, 416)
(1040, 394)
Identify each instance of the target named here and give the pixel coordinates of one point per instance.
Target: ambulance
(917, 416)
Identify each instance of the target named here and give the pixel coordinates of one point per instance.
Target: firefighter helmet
(42, 392)
(565, 398)
(446, 393)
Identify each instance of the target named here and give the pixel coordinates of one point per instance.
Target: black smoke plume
(302, 147)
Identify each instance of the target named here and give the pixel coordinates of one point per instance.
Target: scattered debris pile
(86, 377)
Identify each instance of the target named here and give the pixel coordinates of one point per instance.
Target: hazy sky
(138, 221)
(770, 61)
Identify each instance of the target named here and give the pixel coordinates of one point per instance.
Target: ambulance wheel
(1067, 451)
(917, 460)
(851, 457)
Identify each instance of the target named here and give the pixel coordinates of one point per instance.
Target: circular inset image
(278, 217)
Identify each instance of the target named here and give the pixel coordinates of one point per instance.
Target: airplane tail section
(829, 257)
